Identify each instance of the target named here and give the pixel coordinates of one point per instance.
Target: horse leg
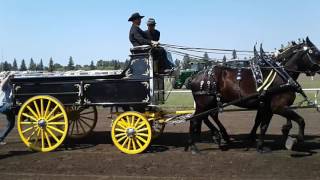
(292, 115)
(223, 131)
(265, 121)
(215, 134)
(194, 135)
(253, 133)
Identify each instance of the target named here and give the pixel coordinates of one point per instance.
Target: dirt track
(96, 158)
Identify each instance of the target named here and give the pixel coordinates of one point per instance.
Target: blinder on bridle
(309, 51)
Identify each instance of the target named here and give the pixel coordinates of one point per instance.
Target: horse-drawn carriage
(50, 108)
(54, 107)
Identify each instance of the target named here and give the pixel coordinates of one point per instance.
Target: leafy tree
(58, 67)
(40, 66)
(14, 65)
(50, 66)
(186, 62)
(70, 64)
(32, 65)
(23, 66)
(92, 66)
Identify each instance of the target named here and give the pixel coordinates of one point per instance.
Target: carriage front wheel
(131, 132)
(42, 123)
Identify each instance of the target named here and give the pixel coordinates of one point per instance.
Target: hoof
(216, 138)
(264, 150)
(194, 150)
(290, 142)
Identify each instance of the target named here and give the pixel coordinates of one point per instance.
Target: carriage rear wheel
(42, 123)
(82, 121)
(131, 132)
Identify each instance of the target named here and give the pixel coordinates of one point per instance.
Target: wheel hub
(42, 123)
(131, 132)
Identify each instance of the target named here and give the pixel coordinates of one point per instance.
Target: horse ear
(255, 51)
(309, 43)
(294, 43)
(261, 50)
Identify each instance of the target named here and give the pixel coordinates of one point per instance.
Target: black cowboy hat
(135, 16)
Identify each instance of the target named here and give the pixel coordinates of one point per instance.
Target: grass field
(185, 100)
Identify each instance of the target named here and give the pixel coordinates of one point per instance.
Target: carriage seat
(140, 49)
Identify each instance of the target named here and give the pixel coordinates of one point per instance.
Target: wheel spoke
(38, 135)
(37, 108)
(141, 139)
(122, 125)
(77, 126)
(55, 129)
(138, 142)
(141, 130)
(47, 109)
(81, 126)
(48, 139)
(55, 117)
(142, 134)
(52, 135)
(122, 138)
(136, 123)
(125, 142)
(121, 130)
(141, 125)
(73, 123)
(56, 123)
(28, 129)
(128, 120)
(87, 113)
(132, 121)
(134, 144)
(33, 113)
(129, 143)
(120, 135)
(29, 116)
(28, 123)
(42, 139)
(52, 111)
(85, 122)
(32, 134)
(41, 107)
(87, 118)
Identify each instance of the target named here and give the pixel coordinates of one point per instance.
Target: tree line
(52, 66)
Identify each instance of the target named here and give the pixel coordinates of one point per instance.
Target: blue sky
(98, 29)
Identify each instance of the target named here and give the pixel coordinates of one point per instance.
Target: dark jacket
(137, 37)
(153, 35)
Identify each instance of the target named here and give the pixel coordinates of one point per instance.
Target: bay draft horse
(300, 58)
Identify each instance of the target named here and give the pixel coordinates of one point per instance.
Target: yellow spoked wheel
(131, 133)
(42, 123)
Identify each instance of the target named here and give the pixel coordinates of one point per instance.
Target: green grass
(185, 100)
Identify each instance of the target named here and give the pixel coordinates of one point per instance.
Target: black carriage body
(135, 86)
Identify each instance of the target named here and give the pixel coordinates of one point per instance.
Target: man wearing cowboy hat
(152, 33)
(136, 36)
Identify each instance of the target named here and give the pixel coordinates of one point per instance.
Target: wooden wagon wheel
(82, 121)
(131, 132)
(42, 123)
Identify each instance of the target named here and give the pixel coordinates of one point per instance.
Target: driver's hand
(155, 43)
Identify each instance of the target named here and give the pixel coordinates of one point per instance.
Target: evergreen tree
(32, 65)
(14, 65)
(23, 66)
(50, 66)
(40, 66)
(70, 64)
(234, 54)
(186, 62)
(177, 63)
(224, 60)
(92, 67)
(6, 66)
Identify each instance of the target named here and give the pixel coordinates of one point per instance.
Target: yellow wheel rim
(42, 123)
(131, 133)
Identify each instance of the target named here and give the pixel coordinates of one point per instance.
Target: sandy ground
(96, 158)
